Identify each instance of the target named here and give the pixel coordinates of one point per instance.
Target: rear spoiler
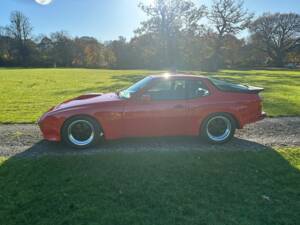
(254, 90)
(231, 87)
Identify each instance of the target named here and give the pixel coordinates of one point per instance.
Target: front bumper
(50, 127)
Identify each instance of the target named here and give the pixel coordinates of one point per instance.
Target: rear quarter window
(227, 86)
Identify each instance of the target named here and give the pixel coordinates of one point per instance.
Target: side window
(163, 85)
(197, 89)
(168, 89)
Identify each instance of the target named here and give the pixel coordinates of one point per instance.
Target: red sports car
(161, 105)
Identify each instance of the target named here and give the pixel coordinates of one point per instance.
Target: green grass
(27, 93)
(221, 187)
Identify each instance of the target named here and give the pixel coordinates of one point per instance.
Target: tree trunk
(215, 60)
(279, 59)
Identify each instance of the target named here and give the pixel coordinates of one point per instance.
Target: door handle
(178, 106)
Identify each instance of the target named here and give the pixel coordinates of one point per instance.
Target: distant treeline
(177, 35)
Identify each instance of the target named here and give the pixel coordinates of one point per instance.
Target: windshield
(135, 88)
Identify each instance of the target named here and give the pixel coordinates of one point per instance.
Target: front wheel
(81, 132)
(218, 128)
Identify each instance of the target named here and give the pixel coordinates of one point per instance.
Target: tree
(277, 34)
(232, 51)
(46, 50)
(250, 56)
(63, 49)
(294, 55)
(20, 30)
(228, 17)
(20, 27)
(122, 51)
(168, 20)
(146, 52)
(6, 57)
(91, 53)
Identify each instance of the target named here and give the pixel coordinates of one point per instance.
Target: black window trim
(188, 83)
(155, 80)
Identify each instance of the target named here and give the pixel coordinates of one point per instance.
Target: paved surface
(26, 140)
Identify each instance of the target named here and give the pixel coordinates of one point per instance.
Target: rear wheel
(218, 128)
(81, 132)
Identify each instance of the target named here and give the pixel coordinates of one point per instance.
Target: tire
(81, 132)
(218, 128)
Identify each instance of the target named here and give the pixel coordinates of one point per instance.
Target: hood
(87, 99)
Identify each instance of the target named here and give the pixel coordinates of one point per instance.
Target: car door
(160, 111)
(199, 101)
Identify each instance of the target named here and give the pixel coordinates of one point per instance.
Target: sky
(106, 19)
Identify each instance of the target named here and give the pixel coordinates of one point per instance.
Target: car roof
(189, 76)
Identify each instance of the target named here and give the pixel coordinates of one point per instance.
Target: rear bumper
(259, 117)
(252, 119)
(262, 116)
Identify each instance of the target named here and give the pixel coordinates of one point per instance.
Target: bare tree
(228, 17)
(20, 27)
(276, 34)
(20, 30)
(168, 19)
(171, 16)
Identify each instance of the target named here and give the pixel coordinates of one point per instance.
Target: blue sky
(106, 19)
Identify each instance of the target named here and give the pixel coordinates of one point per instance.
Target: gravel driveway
(26, 140)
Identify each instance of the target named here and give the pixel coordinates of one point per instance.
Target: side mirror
(146, 98)
(202, 92)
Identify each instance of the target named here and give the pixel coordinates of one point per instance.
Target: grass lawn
(27, 93)
(225, 187)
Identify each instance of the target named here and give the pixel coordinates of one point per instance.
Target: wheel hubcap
(218, 128)
(81, 132)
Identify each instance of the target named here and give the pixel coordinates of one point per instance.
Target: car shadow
(158, 144)
(257, 183)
